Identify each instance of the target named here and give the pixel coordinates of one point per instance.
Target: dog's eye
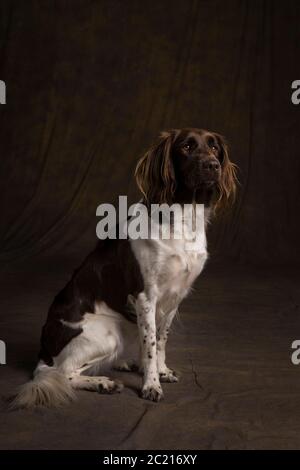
(214, 148)
(186, 147)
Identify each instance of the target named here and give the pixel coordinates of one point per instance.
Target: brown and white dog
(90, 320)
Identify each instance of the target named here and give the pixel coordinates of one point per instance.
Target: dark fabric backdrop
(91, 83)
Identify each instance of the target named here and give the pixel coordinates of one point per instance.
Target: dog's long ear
(154, 172)
(227, 184)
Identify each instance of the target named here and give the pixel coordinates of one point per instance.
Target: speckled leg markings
(146, 309)
(165, 373)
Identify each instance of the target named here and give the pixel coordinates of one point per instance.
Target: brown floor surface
(238, 387)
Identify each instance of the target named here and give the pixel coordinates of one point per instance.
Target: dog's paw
(152, 392)
(168, 375)
(110, 386)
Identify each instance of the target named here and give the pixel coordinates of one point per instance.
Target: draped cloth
(91, 84)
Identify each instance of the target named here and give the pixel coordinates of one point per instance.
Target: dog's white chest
(178, 270)
(170, 266)
(169, 269)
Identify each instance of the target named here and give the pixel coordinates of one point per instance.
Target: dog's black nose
(211, 165)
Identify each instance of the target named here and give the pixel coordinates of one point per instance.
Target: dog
(130, 289)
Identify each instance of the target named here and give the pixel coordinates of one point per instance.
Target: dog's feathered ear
(228, 181)
(154, 172)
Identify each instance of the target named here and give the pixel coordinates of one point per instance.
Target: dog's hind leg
(100, 384)
(99, 344)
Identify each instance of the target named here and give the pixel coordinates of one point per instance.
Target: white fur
(49, 387)
(168, 271)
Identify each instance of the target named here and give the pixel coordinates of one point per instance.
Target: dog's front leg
(165, 373)
(146, 310)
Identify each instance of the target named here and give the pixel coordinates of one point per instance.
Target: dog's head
(187, 165)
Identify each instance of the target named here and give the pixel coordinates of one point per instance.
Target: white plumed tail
(48, 388)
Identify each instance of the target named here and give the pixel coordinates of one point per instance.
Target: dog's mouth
(211, 179)
(202, 181)
(207, 182)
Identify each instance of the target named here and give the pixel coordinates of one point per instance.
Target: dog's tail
(48, 388)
